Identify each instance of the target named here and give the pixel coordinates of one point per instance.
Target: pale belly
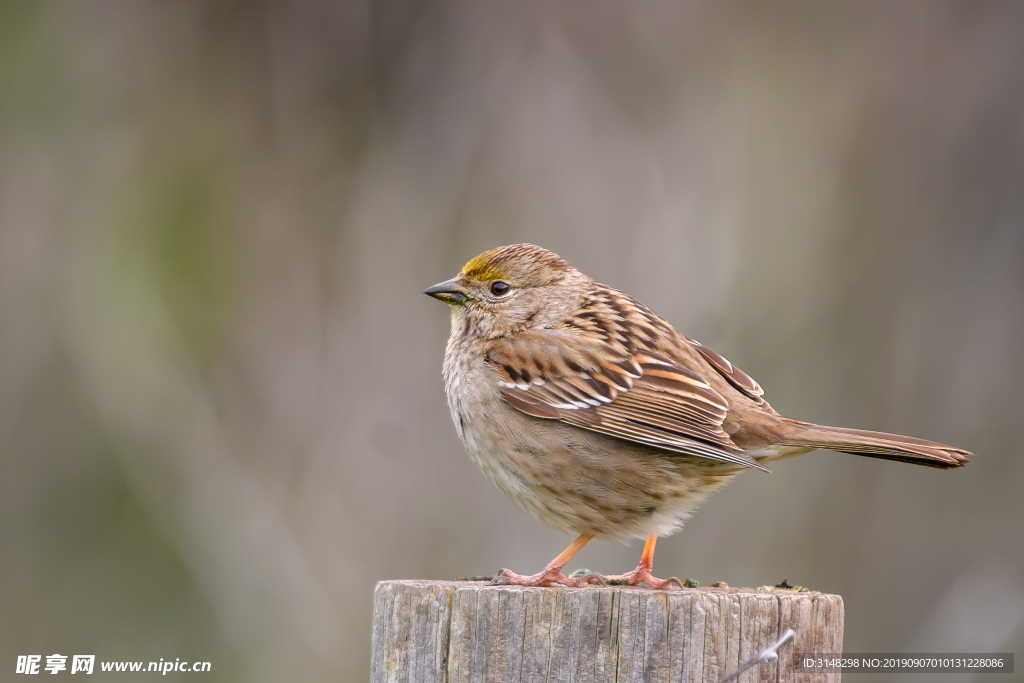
(575, 480)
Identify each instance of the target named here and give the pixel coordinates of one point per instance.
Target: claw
(590, 578)
(502, 578)
(548, 577)
(551, 574)
(642, 575)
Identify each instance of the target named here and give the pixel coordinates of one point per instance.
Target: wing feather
(733, 374)
(633, 394)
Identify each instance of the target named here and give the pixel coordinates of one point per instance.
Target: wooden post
(462, 632)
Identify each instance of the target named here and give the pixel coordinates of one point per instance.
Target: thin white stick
(769, 652)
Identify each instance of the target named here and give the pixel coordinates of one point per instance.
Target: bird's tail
(874, 444)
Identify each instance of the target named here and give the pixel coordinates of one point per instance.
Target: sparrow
(597, 417)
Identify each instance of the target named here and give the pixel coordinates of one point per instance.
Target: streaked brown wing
(640, 397)
(733, 374)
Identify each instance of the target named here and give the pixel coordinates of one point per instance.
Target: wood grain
(470, 632)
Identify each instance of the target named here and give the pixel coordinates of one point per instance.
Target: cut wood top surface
(482, 584)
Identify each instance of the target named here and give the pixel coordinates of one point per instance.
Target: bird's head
(511, 288)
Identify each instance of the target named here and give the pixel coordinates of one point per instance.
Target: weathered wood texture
(463, 632)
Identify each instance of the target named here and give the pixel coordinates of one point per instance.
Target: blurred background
(222, 418)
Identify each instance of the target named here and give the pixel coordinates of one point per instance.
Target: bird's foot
(642, 574)
(550, 576)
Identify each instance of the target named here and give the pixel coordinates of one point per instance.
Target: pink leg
(642, 573)
(552, 574)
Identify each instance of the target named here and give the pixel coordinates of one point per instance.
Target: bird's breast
(467, 383)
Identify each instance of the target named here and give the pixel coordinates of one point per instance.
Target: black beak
(449, 291)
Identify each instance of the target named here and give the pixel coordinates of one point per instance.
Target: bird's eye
(499, 288)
